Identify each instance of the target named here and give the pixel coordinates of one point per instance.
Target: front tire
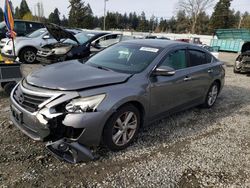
(8, 87)
(122, 128)
(236, 71)
(28, 55)
(212, 95)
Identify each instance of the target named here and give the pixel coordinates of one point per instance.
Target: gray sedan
(77, 105)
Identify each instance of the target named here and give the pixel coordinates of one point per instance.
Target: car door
(171, 93)
(199, 73)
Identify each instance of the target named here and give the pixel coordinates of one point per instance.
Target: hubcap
(29, 56)
(124, 128)
(212, 96)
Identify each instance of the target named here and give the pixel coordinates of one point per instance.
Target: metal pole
(14, 50)
(240, 22)
(104, 21)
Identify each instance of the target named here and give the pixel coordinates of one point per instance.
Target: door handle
(210, 71)
(187, 79)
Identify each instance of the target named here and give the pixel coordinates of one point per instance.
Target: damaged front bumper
(68, 136)
(70, 151)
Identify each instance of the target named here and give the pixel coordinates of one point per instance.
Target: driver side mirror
(46, 37)
(164, 71)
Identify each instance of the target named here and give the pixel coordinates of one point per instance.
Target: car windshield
(37, 33)
(125, 58)
(81, 37)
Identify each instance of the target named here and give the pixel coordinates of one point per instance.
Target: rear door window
(197, 58)
(20, 27)
(176, 60)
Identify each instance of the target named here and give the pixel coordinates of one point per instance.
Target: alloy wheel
(212, 95)
(124, 128)
(29, 56)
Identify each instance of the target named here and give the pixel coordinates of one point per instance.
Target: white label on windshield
(147, 49)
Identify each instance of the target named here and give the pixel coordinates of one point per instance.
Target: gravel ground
(194, 148)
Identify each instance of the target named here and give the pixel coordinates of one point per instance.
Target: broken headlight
(61, 50)
(85, 104)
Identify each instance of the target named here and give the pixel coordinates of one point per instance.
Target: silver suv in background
(26, 47)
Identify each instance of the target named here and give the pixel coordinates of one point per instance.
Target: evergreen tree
(135, 21)
(1, 14)
(183, 22)
(203, 24)
(143, 23)
(79, 14)
(17, 13)
(220, 18)
(24, 9)
(64, 21)
(245, 23)
(54, 17)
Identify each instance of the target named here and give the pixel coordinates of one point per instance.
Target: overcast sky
(160, 8)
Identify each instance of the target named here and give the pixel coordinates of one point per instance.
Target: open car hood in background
(59, 33)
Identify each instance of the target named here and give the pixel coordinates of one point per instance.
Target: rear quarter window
(197, 58)
(20, 27)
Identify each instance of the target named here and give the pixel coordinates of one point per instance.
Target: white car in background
(213, 50)
(26, 47)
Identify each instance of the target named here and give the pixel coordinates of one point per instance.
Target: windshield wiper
(103, 68)
(100, 67)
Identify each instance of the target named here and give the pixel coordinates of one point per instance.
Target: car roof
(17, 20)
(158, 43)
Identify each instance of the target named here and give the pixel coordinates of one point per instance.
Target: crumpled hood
(59, 33)
(73, 75)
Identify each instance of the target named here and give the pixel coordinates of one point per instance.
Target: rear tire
(28, 55)
(212, 95)
(236, 71)
(122, 128)
(8, 87)
(3, 84)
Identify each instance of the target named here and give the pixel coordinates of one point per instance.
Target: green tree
(220, 18)
(54, 17)
(17, 13)
(183, 22)
(193, 8)
(203, 24)
(134, 21)
(143, 23)
(245, 23)
(24, 9)
(1, 14)
(65, 21)
(79, 14)
(28, 16)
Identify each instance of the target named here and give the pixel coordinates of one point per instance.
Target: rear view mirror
(46, 37)
(164, 71)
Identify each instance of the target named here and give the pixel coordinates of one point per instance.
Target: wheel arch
(24, 47)
(245, 47)
(219, 83)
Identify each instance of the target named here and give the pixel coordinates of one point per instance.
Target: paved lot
(195, 148)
